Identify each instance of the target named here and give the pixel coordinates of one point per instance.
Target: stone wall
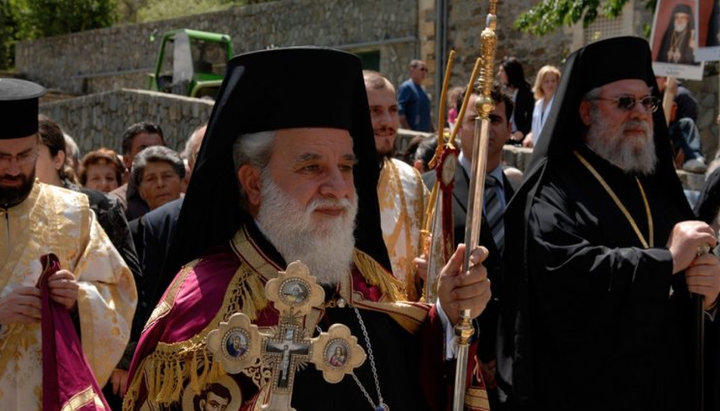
(99, 120)
(466, 20)
(120, 56)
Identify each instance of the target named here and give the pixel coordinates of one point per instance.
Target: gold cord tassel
(194, 378)
(178, 381)
(375, 275)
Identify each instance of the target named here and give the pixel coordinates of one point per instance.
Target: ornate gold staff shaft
(484, 106)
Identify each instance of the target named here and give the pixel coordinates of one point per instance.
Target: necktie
(494, 211)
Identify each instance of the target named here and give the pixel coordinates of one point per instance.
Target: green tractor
(191, 63)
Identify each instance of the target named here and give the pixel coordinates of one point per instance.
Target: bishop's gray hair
(592, 94)
(254, 149)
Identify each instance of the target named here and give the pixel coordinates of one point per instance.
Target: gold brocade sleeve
(409, 315)
(107, 298)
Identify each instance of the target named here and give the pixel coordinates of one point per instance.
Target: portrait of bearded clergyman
(680, 37)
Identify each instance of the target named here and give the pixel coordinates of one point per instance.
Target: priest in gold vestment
(401, 192)
(94, 283)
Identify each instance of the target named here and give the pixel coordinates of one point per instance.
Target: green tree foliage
(54, 17)
(14, 26)
(548, 15)
(29, 19)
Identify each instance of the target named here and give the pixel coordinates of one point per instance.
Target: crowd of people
(590, 273)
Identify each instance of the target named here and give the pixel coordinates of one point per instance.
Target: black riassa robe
(611, 327)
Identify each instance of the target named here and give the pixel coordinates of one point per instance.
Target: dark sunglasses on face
(627, 103)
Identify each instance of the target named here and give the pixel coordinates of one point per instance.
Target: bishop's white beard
(680, 27)
(326, 247)
(612, 145)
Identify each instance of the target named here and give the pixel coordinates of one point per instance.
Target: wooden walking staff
(484, 106)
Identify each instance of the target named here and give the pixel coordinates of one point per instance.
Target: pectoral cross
(284, 352)
(239, 345)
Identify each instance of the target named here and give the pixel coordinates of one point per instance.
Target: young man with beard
(400, 190)
(295, 183)
(94, 283)
(611, 252)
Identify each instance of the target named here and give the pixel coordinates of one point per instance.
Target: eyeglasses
(424, 69)
(627, 103)
(22, 158)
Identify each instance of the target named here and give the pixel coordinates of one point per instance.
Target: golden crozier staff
(478, 160)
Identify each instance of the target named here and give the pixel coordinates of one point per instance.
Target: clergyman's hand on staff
(63, 288)
(464, 290)
(22, 305)
(703, 278)
(686, 238)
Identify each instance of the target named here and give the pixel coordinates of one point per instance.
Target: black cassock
(611, 327)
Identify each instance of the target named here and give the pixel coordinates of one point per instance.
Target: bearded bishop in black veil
(288, 171)
(605, 314)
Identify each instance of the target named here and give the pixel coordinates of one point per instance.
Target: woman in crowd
(101, 170)
(512, 78)
(159, 174)
(53, 166)
(546, 83)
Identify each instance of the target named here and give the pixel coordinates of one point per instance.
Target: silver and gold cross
(239, 344)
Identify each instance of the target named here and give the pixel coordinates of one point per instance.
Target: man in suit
(498, 192)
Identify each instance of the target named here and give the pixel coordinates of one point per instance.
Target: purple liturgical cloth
(62, 356)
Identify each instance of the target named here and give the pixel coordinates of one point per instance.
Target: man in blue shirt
(414, 103)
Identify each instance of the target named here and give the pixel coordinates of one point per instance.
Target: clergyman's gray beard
(612, 146)
(325, 247)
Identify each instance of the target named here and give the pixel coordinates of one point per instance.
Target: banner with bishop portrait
(674, 39)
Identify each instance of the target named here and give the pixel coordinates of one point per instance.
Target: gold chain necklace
(620, 205)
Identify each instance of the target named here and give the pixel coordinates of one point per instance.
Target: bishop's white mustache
(342, 203)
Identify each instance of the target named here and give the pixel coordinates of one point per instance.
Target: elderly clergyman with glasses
(610, 252)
